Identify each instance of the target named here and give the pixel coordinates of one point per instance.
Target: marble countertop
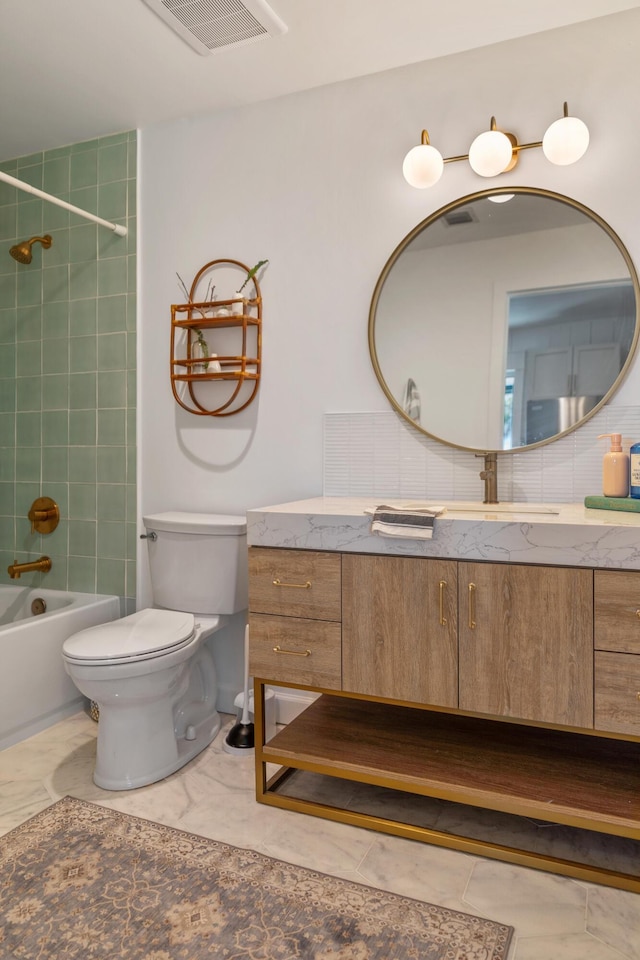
(565, 534)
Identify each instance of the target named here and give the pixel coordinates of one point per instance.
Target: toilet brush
(240, 738)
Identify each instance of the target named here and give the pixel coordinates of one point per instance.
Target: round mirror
(504, 320)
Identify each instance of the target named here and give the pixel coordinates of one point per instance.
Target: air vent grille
(455, 217)
(208, 25)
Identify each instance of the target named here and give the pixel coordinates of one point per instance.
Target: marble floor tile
(555, 918)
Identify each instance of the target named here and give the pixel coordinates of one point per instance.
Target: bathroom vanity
(496, 665)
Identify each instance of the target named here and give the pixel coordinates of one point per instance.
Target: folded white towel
(416, 523)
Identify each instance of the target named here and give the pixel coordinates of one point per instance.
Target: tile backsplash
(380, 455)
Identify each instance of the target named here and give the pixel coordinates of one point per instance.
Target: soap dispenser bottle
(615, 469)
(634, 471)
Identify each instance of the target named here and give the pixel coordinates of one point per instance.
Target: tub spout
(15, 569)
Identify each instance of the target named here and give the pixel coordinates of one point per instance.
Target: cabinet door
(526, 642)
(399, 628)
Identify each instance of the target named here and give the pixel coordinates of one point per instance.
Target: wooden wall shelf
(198, 343)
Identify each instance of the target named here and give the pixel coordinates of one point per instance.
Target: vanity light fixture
(495, 151)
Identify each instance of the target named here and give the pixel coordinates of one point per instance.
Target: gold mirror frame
(442, 211)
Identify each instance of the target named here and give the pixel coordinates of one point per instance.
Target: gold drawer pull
(292, 653)
(638, 614)
(472, 606)
(443, 619)
(300, 586)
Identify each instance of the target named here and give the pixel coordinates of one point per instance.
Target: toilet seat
(145, 635)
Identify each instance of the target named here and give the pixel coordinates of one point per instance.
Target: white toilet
(151, 673)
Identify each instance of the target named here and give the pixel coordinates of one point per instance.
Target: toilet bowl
(152, 673)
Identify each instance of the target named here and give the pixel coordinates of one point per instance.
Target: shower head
(22, 251)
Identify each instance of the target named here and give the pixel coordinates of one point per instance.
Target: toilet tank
(198, 561)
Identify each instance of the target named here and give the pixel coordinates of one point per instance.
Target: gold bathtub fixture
(22, 251)
(44, 515)
(43, 565)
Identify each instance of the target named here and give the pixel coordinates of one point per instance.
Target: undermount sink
(501, 509)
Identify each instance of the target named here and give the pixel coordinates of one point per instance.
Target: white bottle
(615, 468)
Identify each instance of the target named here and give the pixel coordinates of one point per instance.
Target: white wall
(313, 182)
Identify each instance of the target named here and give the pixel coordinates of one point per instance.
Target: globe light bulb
(565, 141)
(423, 166)
(490, 153)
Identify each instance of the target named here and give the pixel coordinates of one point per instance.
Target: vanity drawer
(295, 651)
(617, 611)
(295, 583)
(617, 692)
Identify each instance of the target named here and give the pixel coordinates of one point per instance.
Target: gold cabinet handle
(638, 614)
(472, 606)
(443, 619)
(301, 586)
(292, 653)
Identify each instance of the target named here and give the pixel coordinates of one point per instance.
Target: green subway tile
(8, 265)
(82, 391)
(82, 574)
(8, 194)
(82, 538)
(83, 317)
(29, 358)
(83, 354)
(55, 153)
(55, 356)
(30, 168)
(55, 391)
(28, 429)
(83, 280)
(55, 428)
(60, 493)
(55, 283)
(132, 505)
(131, 583)
(56, 175)
(82, 465)
(6, 529)
(112, 427)
(8, 292)
(112, 314)
(55, 464)
(82, 427)
(29, 393)
(112, 245)
(83, 243)
(27, 464)
(57, 218)
(111, 539)
(132, 279)
(111, 501)
(7, 360)
(8, 464)
(8, 320)
(112, 162)
(111, 464)
(112, 200)
(132, 380)
(58, 252)
(110, 577)
(30, 224)
(112, 276)
(131, 426)
(112, 351)
(55, 319)
(29, 322)
(9, 222)
(86, 198)
(56, 578)
(108, 141)
(132, 308)
(112, 389)
(82, 501)
(7, 496)
(131, 545)
(83, 146)
(132, 468)
(7, 430)
(8, 395)
(84, 169)
(29, 287)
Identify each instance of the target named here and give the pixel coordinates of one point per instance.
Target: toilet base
(201, 735)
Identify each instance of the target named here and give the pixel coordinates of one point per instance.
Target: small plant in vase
(201, 343)
(238, 306)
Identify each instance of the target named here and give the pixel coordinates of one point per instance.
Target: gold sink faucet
(490, 477)
(15, 569)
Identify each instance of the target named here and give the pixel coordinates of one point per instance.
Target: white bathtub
(35, 690)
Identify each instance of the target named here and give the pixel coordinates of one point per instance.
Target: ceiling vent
(208, 25)
(456, 217)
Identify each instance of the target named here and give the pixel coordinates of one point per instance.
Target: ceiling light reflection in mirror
(496, 326)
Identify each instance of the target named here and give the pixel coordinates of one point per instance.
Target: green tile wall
(67, 367)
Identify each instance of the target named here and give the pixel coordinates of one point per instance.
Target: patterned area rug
(81, 881)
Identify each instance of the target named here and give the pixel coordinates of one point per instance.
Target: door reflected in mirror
(498, 326)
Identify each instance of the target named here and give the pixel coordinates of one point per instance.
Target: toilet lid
(139, 636)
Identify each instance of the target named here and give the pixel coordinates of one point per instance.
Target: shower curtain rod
(21, 185)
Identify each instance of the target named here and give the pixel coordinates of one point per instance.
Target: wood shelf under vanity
(588, 782)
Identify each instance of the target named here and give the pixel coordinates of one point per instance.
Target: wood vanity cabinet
(472, 682)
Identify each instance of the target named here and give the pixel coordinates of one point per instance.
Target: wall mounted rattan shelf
(216, 345)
